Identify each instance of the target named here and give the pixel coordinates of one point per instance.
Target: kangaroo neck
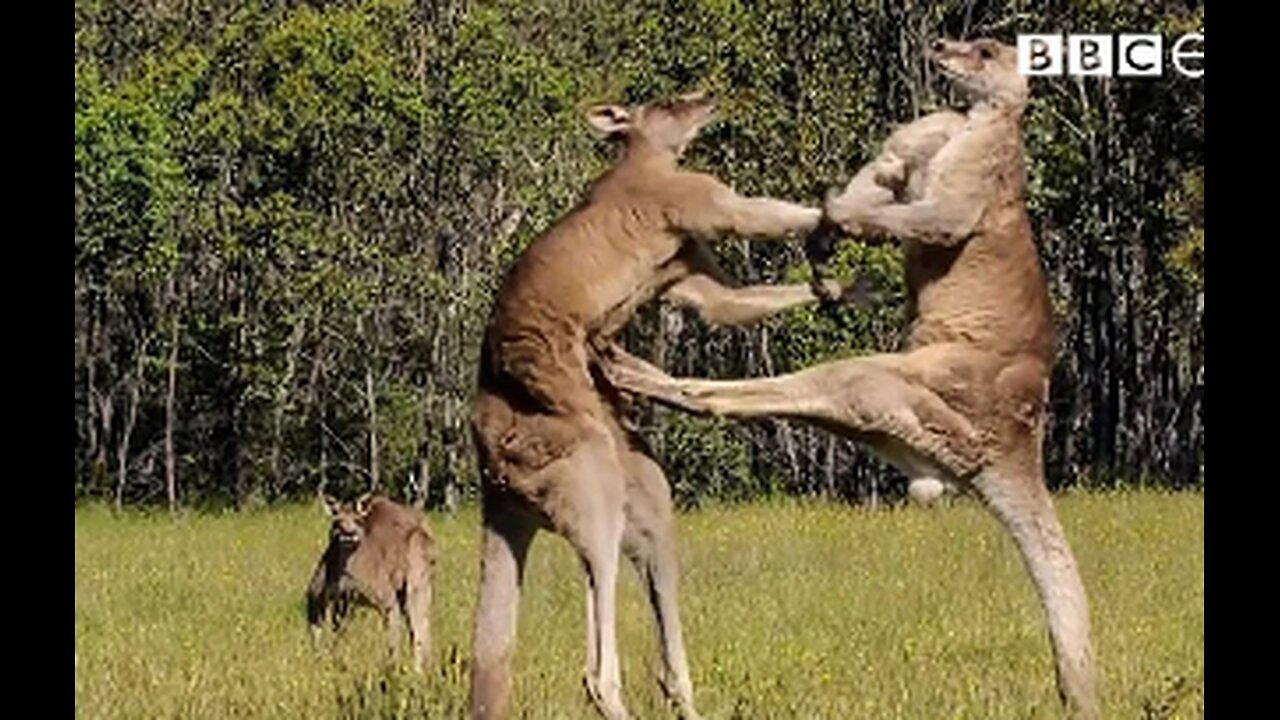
(642, 152)
(991, 110)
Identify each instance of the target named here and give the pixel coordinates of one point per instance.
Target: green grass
(804, 610)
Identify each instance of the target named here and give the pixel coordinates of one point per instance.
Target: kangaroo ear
(331, 505)
(609, 120)
(364, 504)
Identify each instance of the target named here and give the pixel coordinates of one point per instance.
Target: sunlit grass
(805, 610)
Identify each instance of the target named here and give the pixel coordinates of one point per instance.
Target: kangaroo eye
(985, 53)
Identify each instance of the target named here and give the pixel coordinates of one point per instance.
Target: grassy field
(801, 610)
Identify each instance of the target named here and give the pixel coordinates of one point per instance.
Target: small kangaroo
(966, 400)
(553, 451)
(380, 554)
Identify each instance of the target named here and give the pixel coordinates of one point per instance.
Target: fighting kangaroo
(381, 554)
(965, 401)
(552, 449)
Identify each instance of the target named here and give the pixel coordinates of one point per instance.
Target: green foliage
(400, 423)
(818, 334)
(127, 178)
(273, 198)
(708, 460)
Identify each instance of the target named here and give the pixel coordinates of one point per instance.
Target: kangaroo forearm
(765, 218)
(746, 305)
(926, 222)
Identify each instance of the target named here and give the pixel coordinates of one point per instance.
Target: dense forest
(291, 219)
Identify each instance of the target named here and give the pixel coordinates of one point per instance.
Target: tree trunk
(786, 435)
(281, 400)
(90, 381)
(829, 467)
(451, 438)
(101, 402)
(122, 450)
(316, 404)
(371, 406)
(372, 401)
(668, 320)
(170, 412)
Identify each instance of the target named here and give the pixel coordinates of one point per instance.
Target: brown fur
(898, 174)
(966, 401)
(380, 554)
(553, 453)
(902, 167)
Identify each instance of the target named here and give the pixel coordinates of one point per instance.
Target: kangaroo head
(986, 68)
(347, 520)
(666, 125)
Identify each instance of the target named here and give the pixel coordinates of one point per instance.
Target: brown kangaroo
(380, 554)
(965, 401)
(552, 450)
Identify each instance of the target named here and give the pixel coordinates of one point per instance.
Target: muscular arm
(713, 292)
(931, 222)
(768, 218)
(866, 208)
(707, 209)
(721, 305)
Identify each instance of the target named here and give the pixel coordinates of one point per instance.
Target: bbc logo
(1126, 55)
